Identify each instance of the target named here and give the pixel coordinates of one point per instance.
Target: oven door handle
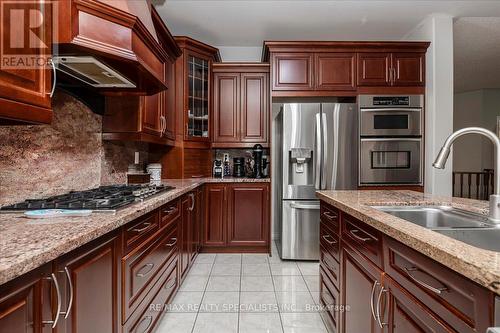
(391, 110)
(389, 139)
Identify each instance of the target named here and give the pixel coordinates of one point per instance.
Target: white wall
(241, 53)
(475, 108)
(438, 29)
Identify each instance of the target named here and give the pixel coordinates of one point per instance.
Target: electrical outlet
(226, 157)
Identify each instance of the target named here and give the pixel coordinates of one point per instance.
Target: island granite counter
(26, 244)
(479, 265)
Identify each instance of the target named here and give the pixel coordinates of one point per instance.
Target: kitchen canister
(154, 169)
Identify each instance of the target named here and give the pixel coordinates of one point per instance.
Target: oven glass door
(390, 121)
(390, 161)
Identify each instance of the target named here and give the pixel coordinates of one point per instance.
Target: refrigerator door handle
(325, 150)
(302, 206)
(319, 148)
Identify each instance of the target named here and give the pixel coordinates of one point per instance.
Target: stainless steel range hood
(91, 71)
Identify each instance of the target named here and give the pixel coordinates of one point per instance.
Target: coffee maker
(257, 153)
(218, 171)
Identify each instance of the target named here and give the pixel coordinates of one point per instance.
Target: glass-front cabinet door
(198, 98)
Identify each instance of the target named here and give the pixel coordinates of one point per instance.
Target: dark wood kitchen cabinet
(389, 287)
(236, 217)
(248, 215)
(89, 286)
(359, 278)
(391, 69)
(335, 71)
(323, 68)
(190, 229)
(25, 91)
(25, 302)
(241, 105)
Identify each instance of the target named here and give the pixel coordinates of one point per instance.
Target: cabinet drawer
(330, 300)
(153, 307)
(362, 238)
(330, 216)
(457, 300)
(329, 240)
(169, 212)
(140, 267)
(138, 231)
(330, 266)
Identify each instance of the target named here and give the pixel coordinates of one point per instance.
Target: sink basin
(437, 217)
(486, 238)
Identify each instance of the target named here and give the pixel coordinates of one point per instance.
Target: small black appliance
(239, 167)
(257, 153)
(218, 169)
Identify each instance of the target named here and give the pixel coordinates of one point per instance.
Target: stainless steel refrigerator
(316, 147)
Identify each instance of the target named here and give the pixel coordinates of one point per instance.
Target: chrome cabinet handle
(329, 215)
(394, 75)
(192, 201)
(53, 278)
(379, 319)
(170, 210)
(174, 241)
(423, 284)
(171, 283)
(327, 264)
(332, 241)
(51, 62)
(150, 266)
(372, 295)
(147, 225)
(354, 233)
(150, 318)
(70, 303)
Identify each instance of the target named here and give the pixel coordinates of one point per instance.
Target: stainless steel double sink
(468, 227)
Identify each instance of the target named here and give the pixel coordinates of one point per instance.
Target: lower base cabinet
(236, 218)
(385, 286)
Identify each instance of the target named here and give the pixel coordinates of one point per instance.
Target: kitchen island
(396, 274)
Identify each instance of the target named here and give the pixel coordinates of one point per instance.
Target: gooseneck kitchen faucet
(442, 157)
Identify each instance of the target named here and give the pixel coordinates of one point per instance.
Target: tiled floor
(230, 293)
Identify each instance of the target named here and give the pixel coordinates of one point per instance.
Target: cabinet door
(197, 221)
(21, 302)
(151, 114)
(24, 90)
(198, 97)
(89, 281)
(374, 69)
(335, 71)
(409, 69)
(248, 220)
(360, 281)
(407, 315)
(254, 107)
(292, 71)
(185, 243)
(169, 110)
(226, 107)
(214, 231)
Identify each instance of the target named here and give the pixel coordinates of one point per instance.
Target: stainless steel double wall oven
(390, 148)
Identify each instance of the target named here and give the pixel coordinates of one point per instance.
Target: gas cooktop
(102, 199)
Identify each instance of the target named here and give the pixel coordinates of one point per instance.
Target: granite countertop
(479, 265)
(26, 244)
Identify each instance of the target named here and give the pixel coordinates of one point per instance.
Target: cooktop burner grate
(104, 198)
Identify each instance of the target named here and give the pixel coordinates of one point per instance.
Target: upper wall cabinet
(391, 69)
(192, 84)
(25, 91)
(119, 34)
(241, 105)
(345, 68)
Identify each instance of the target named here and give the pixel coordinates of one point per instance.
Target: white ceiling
(476, 53)
(248, 23)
